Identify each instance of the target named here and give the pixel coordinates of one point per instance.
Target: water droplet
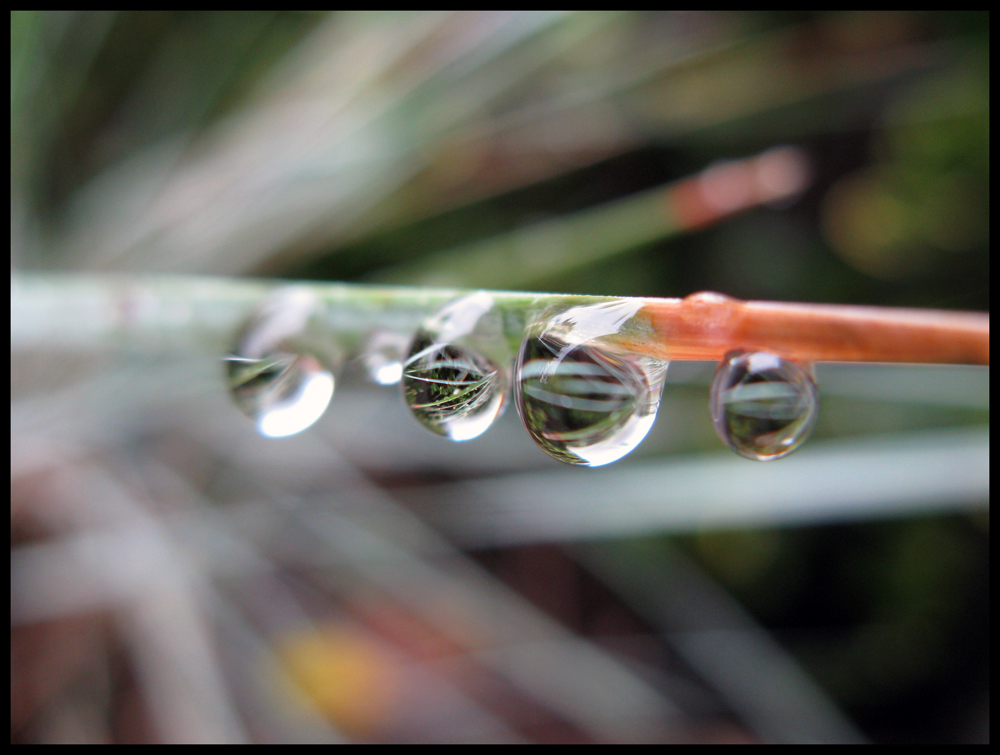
(274, 377)
(582, 399)
(454, 379)
(383, 356)
(763, 406)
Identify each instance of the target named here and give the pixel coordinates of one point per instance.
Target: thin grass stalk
(195, 313)
(534, 253)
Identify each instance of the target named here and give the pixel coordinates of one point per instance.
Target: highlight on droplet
(301, 407)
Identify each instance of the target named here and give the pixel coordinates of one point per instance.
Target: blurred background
(176, 577)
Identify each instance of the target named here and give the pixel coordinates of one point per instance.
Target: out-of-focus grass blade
(835, 481)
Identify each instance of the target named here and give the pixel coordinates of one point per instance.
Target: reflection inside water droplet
(453, 379)
(273, 377)
(763, 406)
(583, 399)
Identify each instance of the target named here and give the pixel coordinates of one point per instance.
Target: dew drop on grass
(455, 378)
(763, 406)
(273, 376)
(583, 399)
(383, 356)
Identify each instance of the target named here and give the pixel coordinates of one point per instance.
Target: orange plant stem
(707, 326)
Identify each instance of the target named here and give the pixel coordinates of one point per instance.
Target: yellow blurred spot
(343, 674)
(868, 226)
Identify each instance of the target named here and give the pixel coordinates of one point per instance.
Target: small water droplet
(454, 379)
(383, 356)
(274, 378)
(763, 406)
(582, 399)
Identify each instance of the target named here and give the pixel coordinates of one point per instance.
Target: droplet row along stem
(587, 377)
(582, 400)
(706, 326)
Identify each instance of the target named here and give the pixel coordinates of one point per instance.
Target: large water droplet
(455, 379)
(582, 399)
(276, 379)
(763, 406)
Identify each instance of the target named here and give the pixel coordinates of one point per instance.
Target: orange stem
(708, 325)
